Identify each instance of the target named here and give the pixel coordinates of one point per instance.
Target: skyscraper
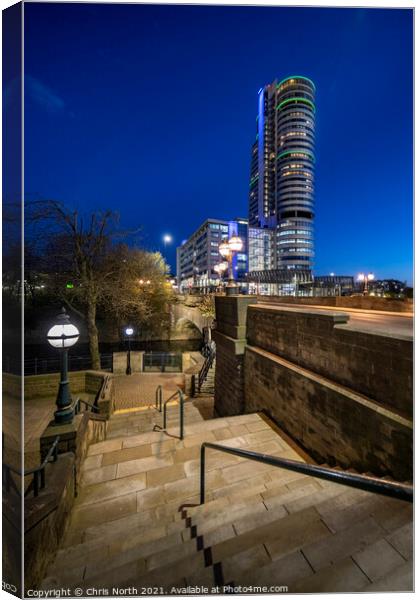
(281, 195)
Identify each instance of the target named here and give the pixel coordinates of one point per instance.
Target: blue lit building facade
(197, 256)
(281, 192)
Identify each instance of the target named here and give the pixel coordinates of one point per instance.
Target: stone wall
(46, 386)
(361, 302)
(47, 516)
(333, 423)
(345, 396)
(378, 366)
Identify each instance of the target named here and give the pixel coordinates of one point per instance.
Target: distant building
(281, 192)
(392, 288)
(198, 255)
(333, 285)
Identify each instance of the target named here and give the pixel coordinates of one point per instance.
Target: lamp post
(62, 336)
(365, 278)
(227, 250)
(129, 332)
(220, 268)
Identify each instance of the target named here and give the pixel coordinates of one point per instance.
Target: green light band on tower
(305, 152)
(296, 77)
(297, 99)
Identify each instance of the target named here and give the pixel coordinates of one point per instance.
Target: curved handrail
(181, 411)
(158, 398)
(363, 482)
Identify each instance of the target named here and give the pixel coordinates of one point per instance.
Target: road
(398, 324)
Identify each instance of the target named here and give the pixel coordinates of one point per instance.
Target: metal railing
(158, 405)
(43, 365)
(376, 485)
(162, 362)
(88, 406)
(158, 398)
(38, 480)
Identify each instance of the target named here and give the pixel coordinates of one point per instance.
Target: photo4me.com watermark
(156, 591)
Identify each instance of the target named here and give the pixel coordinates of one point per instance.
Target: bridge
(187, 320)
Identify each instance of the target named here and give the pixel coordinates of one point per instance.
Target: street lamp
(227, 250)
(62, 336)
(365, 278)
(129, 332)
(167, 239)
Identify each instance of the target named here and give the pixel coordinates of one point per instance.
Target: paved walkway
(139, 389)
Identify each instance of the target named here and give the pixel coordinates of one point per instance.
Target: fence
(42, 365)
(169, 362)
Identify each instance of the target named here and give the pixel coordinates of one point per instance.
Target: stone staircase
(137, 521)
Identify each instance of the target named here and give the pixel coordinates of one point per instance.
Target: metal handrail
(158, 398)
(208, 363)
(38, 481)
(88, 405)
(363, 482)
(181, 411)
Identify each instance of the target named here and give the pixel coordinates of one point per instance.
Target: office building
(281, 193)
(197, 256)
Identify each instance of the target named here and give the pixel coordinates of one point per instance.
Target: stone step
(398, 580)
(247, 551)
(223, 541)
(264, 524)
(345, 576)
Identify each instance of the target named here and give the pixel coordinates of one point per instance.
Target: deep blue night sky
(150, 110)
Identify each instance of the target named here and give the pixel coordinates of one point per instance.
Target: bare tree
(90, 269)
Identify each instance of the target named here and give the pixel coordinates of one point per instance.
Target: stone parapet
(360, 302)
(231, 315)
(373, 364)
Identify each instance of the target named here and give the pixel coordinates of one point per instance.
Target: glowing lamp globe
(63, 334)
(371, 276)
(129, 331)
(224, 249)
(360, 277)
(235, 244)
